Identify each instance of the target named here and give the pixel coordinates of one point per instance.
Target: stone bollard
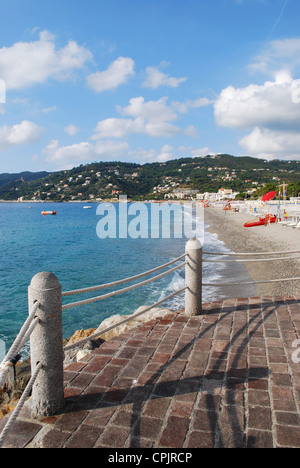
(193, 277)
(46, 346)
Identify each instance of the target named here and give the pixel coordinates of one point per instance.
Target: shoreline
(229, 227)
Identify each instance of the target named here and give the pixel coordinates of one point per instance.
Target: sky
(147, 81)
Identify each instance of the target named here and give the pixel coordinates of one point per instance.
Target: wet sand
(229, 227)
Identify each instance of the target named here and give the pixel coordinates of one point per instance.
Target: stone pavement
(222, 379)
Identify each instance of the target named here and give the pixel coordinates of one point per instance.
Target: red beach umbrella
(268, 196)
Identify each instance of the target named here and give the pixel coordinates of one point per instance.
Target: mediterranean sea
(68, 245)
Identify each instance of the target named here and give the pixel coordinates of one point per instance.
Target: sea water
(68, 245)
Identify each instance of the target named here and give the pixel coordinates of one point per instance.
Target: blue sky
(147, 80)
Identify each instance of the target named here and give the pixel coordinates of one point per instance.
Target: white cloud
(156, 78)
(25, 64)
(270, 144)
(161, 129)
(71, 129)
(184, 107)
(281, 54)
(196, 152)
(119, 128)
(151, 118)
(20, 134)
(270, 110)
(165, 154)
(154, 111)
(269, 105)
(46, 110)
(117, 74)
(68, 156)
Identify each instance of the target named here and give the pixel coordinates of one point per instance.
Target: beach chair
(284, 222)
(291, 224)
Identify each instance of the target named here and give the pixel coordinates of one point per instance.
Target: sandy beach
(229, 226)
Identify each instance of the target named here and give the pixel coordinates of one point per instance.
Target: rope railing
(122, 281)
(252, 260)
(122, 322)
(20, 404)
(121, 291)
(245, 283)
(233, 254)
(250, 253)
(11, 358)
(18, 344)
(31, 322)
(47, 344)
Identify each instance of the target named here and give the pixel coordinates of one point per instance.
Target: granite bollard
(46, 346)
(193, 277)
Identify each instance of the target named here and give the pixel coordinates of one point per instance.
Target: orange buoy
(48, 213)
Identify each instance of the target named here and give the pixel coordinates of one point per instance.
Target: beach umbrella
(268, 196)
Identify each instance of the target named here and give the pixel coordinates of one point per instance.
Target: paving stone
(223, 379)
(22, 433)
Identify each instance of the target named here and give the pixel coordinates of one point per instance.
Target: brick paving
(222, 379)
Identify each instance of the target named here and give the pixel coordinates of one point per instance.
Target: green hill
(102, 180)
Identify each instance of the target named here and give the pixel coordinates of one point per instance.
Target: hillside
(21, 176)
(102, 180)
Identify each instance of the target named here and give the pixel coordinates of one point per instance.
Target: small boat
(267, 219)
(44, 213)
(87, 207)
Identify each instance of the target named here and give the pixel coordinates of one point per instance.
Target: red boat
(262, 221)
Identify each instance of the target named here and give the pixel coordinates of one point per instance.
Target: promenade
(222, 379)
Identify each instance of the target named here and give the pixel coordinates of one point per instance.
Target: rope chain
(251, 260)
(20, 404)
(121, 291)
(122, 281)
(32, 320)
(19, 342)
(253, 253)
(251, 282)
(132, 317)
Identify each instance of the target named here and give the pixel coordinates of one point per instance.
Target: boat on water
(45, 213)
(87, 207)
(262, 221)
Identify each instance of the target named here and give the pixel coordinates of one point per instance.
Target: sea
(68, 244)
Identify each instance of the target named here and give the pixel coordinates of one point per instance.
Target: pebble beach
(229, 226)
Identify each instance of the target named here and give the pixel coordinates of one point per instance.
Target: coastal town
(211, 178)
